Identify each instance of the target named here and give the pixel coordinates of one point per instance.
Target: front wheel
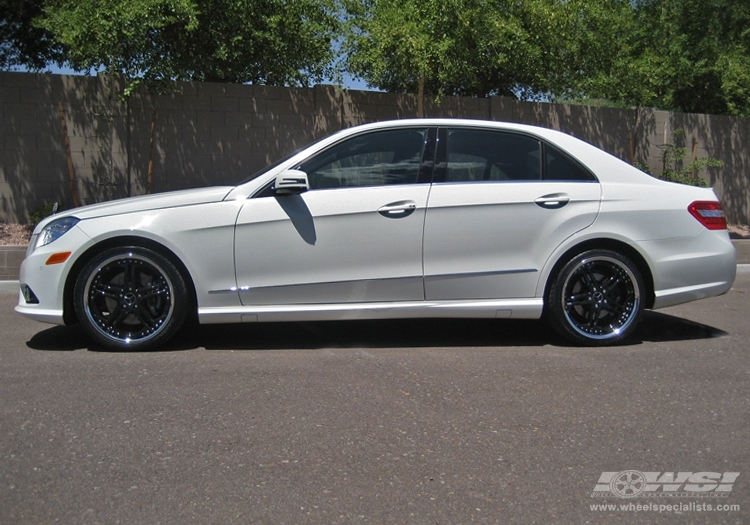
(596, 299)
(130, 298)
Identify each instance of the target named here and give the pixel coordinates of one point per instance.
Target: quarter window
(559, 166)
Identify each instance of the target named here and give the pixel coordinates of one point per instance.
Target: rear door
(500, 204)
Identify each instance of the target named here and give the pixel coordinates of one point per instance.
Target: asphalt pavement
(380, 422)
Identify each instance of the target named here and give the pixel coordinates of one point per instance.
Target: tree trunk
(150, 179)
(68, 155)
(420, 98)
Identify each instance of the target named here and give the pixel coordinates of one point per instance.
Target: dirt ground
(739, 231)
(18, 234)
(14, 234)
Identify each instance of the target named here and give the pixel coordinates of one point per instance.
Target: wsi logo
(634, 483)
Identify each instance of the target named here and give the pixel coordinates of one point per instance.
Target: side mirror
(291, 182)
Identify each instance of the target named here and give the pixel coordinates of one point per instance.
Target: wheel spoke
(155, 291)
(579, 300)
(592, 315)
(118, 315)
(144, 316)
(611, 283)
(616, 309)
(588, 277)
(105, 290)
(126, 268)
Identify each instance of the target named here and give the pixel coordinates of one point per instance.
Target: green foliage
(676, 170)
(21, 42)
(577, 39)
(683, 55)
(274, 42)
(684, 178)
(459, 47)
(37, 215)
(643, 167)
(530, 49)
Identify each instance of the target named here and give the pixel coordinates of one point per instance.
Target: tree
(578, 39)
(453, 47)
(683, 55)
(531, 49)
(276, 42)
(21, 42)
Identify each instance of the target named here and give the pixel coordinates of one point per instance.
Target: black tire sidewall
(171, 325)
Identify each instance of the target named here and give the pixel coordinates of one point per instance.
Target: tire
(596, 299)
(130, 298)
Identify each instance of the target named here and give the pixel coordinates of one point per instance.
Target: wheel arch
(69, 314)
(606, 244)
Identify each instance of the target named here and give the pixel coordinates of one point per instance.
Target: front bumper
(47, 281)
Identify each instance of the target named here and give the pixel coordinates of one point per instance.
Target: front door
(355, 236)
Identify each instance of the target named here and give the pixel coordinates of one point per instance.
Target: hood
(172, 199)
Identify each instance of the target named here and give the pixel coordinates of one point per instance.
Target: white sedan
(403, 219)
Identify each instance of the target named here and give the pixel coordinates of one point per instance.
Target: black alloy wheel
(130, 298)
(596, 299)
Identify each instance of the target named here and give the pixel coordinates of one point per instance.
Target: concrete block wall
(209, 134)
(10, 262)
(33, 163)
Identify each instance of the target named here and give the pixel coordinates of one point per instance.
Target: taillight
(710, 214)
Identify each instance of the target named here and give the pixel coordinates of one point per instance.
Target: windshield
(281, 161)
(268, 168)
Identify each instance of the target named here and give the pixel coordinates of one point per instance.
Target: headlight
(54, 231)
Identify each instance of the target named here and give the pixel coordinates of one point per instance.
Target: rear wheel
(596, 298)
(130, 298)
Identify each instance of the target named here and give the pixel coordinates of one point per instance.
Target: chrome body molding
(489, 309)
(233, 289)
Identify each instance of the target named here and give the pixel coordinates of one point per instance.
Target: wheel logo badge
(628, 484)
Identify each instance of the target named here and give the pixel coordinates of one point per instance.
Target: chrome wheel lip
(598, 295)
(129, 298)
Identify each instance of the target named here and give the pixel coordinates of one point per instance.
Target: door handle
(398, 210)
(553, 201)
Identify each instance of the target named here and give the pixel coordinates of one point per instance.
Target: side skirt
(488, 309)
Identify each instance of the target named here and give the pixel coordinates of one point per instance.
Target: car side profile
(417, 218)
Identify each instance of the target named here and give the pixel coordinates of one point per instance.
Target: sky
(349, 82)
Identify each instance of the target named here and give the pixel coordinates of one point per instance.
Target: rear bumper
(705, 267)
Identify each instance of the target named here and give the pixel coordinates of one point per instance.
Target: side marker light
(57, 258)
